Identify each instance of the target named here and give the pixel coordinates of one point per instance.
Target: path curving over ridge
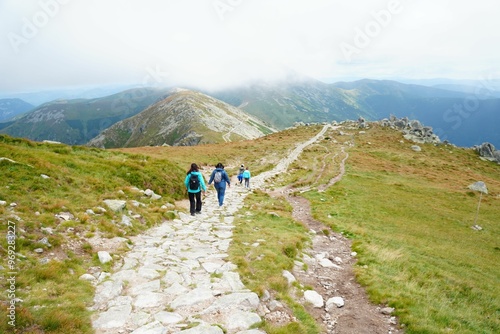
(175, 278)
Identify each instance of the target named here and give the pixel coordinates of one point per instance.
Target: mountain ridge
(462, 118)
(183, 118)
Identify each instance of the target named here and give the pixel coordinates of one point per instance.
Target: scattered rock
(149, 192)
(334, 302)
(115, 205)
(65, 216)
(104, 257)
(416, 148)
(387, 310)
(87, 277)
(126, 221)
(488, 152)
(45, 176)
(289, 277)
(314, 298)
(45, 241)
(38, 250)
(412, 129)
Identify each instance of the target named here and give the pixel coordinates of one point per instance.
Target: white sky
(214, 43)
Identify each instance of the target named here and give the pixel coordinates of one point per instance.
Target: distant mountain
(284, 103)
(461, 118)
(456, 113)
(75, 122)
(182, 119)
(455, 116)
(478, 90)
(10, 108)
(39, 97)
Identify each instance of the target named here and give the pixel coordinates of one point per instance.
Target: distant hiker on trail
(246, 177)
(220, 178)
(195, 184)
(240, 173)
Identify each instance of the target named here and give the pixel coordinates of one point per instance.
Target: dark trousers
(194, 202)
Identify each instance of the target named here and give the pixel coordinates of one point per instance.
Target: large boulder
(487, 151)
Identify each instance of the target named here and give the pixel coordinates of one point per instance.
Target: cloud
(217, 43)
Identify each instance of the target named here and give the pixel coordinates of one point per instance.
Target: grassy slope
(54, 300)
(409, 214)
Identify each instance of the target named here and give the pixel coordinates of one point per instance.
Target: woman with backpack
(220, 178)
(195, 184)
(246, 177)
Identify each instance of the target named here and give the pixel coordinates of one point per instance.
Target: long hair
(194, 168)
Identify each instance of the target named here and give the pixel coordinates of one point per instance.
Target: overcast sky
(216, 43)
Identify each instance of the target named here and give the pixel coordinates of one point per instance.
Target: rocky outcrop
(412, 129)
(488, 152)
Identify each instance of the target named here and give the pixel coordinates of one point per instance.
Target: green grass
(410, 217)
(267, 222)
(80, 178)
(408, 213)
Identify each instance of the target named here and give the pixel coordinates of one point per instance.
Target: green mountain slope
(461, 118)
(78, 121)
(184, 118)
(283, 104)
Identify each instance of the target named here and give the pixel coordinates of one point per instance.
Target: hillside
(10, 108)
(463, 116)
(77, 121)
(408, 214)
(185, 118)
(459, 117)
(302, 100)
(463, 119)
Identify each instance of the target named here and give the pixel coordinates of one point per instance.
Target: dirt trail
(358, 315)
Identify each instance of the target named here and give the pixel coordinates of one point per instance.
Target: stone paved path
(176, 276)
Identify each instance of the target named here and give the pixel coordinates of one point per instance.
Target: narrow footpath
(175, 278)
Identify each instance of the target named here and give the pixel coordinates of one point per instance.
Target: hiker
(195, 185)
(246, 177)
(219, 177)
(240, 173)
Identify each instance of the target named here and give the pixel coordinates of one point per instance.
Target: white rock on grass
(115, 205)
(314, 298)
(87, 277)
(289, 277)
(126, 221)
(104, 257)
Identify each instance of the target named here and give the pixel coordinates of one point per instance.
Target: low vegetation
(41, 181)
(409, 214)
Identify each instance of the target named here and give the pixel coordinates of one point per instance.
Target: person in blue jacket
(220, 178)
(195, 184)
(246, 177)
